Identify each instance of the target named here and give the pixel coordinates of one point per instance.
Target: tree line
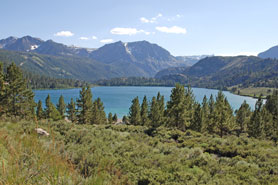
(17, 100)
(182, 111)
(36, 81)
(213, 115)
(82, 111)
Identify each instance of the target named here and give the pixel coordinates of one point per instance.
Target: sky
(183, 27)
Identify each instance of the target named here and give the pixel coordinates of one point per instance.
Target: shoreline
(226, 90)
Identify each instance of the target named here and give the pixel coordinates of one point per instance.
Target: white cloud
(105, 41)
(64, 34)
(151, 20)
(94, 37)
(173, 29)
(84, 38)
(144, 20)
(127, 31)
(245, 53)
(176, 17)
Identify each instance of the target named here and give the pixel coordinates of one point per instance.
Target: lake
(118, 99)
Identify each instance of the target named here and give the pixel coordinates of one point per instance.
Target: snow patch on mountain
(127, 49)
(33, 47)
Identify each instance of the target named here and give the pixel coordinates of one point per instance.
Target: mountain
(80, 68)
(138, 59)
(6, 42)
(217, 72)
(61, 66)
(26, 43)
(191, 60)
(187, 61)
(171, 71)
(36, 45)
(270, 53)
(150, 58)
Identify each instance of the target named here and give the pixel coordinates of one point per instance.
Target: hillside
(29, 159)
(171, 71)
(270, 53)
(167, 156)
(64, 67)
(217, 72)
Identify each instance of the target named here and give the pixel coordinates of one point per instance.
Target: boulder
(42, 132)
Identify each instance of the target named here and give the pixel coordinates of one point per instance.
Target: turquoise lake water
(118, 99)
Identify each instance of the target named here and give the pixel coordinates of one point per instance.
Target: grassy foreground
(26, 158)
(109, 154)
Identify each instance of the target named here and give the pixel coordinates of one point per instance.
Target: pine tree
(51, 112)
(2, 91)
(211, 104)
(211, 124)
(84, 106)
(243, 115)
(154, 115)
(223, 114)
(161, 108)
(190, 104)
(125, 119)
(40, 113)
(98, 114)
(110, 118)
(1, 75)
(176, 108)
(54, 113)
(205, 114)
(115, 118)
(197, 119)
(255, 126)
(61, 106)
(47, 106)
(71, 110)
(144, 112)
(101, 111)
(271, 106)
(268, 126)
(134, 112)
(18, 98)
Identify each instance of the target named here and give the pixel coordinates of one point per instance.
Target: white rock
(41, 131)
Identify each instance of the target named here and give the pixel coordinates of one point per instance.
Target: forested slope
(220, 72)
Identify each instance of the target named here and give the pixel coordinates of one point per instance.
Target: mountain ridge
(270, 53)
(219, 72)
(140, 58)
(143, 54)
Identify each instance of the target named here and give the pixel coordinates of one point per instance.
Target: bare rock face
(42, 132)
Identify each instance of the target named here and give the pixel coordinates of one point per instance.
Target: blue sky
(183, 27)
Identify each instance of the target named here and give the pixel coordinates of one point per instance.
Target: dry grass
(25, 160)
(254, 91)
